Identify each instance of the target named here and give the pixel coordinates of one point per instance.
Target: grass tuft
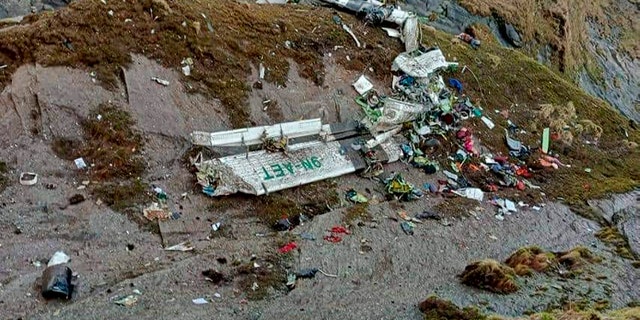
(490, 275)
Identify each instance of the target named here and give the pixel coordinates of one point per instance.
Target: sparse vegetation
(435, 308)
(576, 258)
(613, 237)
(310, 200)
(358, 211)
(490, 275)
(111, 148)
(455, 207)
(121, 196)
(67, 149)
(258, 283)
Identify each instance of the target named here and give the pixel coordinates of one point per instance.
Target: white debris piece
(261, 71)
(58, 258)
(183, 246)
(419, 64)
(255, 135)
(488, 122)
(28, 178)
(127, 301)
(80, 164)
(471, 193)
(200, 301)
(362, 85)
(450, 175)
(160, 81)
(186, 70)
(396, 112)
(411, 33)
(506, 206)
(393, 33)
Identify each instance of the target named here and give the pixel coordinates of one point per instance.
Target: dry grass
(124, 195)
(528, 259)
(224, 39)
(435, 308)
(111, 146)
(490, 275)
(562, 120)
(455, 207)
(576, 258)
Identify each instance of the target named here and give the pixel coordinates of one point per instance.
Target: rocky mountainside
(593, 43)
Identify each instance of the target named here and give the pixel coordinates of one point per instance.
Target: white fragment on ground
(362, 85)
(488, 122)
(200, 301)
(58, 258)
(160, 81)
(471, 193)
(183, 246)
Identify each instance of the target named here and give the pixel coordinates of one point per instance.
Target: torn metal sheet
(420, 65)
(396, 112)
(255, 135)
(261, 172)
(411, 34)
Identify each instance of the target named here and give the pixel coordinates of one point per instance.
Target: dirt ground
(382, 272)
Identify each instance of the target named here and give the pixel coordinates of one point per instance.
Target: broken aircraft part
(261, 172)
